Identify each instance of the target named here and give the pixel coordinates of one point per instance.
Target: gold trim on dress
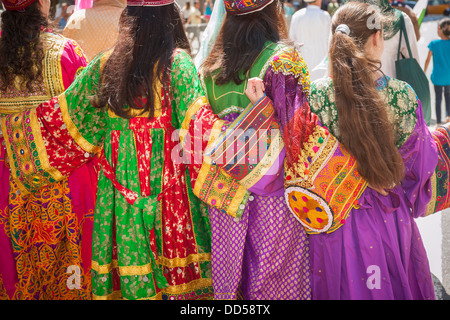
(123, 270)
(104, 269)
(265, 164)
(105, 58)
(72, 128)
(52, 82)
(171, 290)
(432, 204)
(157, 296)
(203, 282)
(20, 185)
(56, 68)
(116, 295)
(147, 268)
(193, 109)
(42, 153)
(184, 262)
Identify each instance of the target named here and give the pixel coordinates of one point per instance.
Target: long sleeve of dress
(419, 155)
(319, 174)
(45, 144)
(320, 177)
(73, 62)
(261, 129)
(200, 127)
(287, 85)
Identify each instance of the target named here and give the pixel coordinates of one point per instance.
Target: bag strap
(400, 41)
(403, 31)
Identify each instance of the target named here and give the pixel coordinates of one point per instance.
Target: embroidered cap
(149, 3)
(17, 5)
(241, 7)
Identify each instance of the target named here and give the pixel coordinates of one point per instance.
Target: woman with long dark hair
(44, 233)
(268, 248)
(140, 107)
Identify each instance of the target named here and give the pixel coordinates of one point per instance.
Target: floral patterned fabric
(396, 93)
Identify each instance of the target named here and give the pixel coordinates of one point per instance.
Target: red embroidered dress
(45, 237)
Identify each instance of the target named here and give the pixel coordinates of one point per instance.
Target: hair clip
(343, 28)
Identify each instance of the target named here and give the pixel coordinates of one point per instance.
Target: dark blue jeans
(438, 90)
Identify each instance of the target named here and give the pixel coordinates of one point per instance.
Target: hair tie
(343, 28)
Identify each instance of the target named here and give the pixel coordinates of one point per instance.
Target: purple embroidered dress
(378, 253)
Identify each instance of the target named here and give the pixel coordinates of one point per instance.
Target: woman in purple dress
(261, 253)
(378, 253)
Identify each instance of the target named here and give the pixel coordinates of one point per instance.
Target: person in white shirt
(195, 16)
(391, 34)
(310, 29)
(186, 11)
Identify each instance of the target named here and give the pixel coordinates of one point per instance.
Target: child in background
(440, 76)
(208, 10)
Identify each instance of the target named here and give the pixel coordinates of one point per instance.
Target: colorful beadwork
(322, 204)
(218, 191)
(26, 145)
(310, 209)
(440, 180)
(289, 62)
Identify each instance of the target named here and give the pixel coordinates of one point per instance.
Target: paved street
(435, 230)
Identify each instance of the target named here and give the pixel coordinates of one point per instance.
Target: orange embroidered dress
(45, 236)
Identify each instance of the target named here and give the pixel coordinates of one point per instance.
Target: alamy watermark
(374, 278)
(74, 280)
